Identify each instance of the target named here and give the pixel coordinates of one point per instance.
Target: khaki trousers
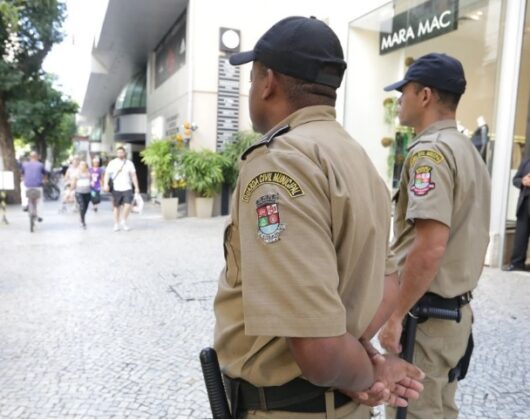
(440, 344)
(347, 411)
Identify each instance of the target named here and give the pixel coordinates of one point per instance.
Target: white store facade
(181, 46)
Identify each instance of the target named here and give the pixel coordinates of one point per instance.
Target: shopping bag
(138, 204)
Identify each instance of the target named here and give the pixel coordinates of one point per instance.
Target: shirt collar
(308, 114)
(431, 129)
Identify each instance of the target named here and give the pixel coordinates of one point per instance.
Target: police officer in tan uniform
(304, 286)
(441, 229)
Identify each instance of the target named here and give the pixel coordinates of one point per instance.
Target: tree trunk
(7, 150)
(42, 148)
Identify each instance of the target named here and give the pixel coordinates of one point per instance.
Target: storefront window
(383, 43)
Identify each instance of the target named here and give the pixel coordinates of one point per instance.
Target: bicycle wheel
(52, 192)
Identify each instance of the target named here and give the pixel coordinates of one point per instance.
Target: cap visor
(242, 58)
(395, 86)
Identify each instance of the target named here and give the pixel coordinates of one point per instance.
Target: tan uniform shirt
(304, 249)
(445, 179)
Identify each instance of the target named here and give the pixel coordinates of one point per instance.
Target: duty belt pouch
(460, 371)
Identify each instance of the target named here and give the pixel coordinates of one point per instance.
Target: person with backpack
(120, 177)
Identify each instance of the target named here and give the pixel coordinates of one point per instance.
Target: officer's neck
(432, 116)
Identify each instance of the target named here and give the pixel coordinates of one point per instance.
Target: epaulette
(428, 138)
(266, 140)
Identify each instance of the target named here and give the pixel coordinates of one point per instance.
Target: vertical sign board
(227, 102)
(228, 89)
(426, 21)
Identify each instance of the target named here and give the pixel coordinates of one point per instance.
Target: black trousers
(522, 232)
(84, 200)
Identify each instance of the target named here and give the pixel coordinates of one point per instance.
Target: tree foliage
(43, 117)
(28, 30)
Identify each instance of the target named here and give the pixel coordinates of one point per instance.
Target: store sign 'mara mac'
(423, 22)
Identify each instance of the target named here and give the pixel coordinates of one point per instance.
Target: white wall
(252, 19)
(368, 72)
(107, 138)
(170, 98)
(133, 123)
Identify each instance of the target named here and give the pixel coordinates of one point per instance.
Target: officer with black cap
(441, 229)
(305, 247)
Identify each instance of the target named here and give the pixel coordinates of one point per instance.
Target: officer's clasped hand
(395, 382)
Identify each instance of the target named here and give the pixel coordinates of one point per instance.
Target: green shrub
(203, 171)
(233, 151)
(162, 157)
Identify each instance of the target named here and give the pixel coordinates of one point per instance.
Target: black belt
(434, 300)
(297, 395)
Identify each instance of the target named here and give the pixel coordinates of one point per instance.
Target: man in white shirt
(123, 175)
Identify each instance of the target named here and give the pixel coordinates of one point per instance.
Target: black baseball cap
(304, 48)
(439, 71)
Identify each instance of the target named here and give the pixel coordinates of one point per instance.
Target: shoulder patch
(266, 140)
(274, 177)
(422, 181)
(432, 155)
(269, 226)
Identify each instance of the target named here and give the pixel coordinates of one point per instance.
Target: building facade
(178, 49)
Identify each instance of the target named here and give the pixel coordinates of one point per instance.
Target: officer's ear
(270, 84)
(426, 95)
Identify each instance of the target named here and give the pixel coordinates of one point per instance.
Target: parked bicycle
(51, 188)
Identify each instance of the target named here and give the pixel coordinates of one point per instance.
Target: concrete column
(505, 118)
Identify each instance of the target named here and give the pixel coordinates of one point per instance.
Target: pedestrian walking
(305, 247)
(441, 227)
(33, 176)
(80, 185)
(121, 174)
(96, 179)
(69, 192)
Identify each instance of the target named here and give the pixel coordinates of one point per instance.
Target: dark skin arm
(344, 363)
(379, 392)
(340, 362)
(421, 266)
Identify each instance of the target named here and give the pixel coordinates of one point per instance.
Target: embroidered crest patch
(422, 181)
(269, 226)
(432, 155)
(278, 178)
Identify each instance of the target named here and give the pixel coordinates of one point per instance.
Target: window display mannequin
(480, 137)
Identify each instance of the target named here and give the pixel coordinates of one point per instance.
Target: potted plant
(162, 157)
(203, 172)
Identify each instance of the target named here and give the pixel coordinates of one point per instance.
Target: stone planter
(203, 207)
(170, 208)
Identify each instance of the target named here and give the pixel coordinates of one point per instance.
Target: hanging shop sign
(423, 22)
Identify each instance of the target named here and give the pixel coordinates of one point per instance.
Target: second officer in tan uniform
(441, 229)
(306, 245)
